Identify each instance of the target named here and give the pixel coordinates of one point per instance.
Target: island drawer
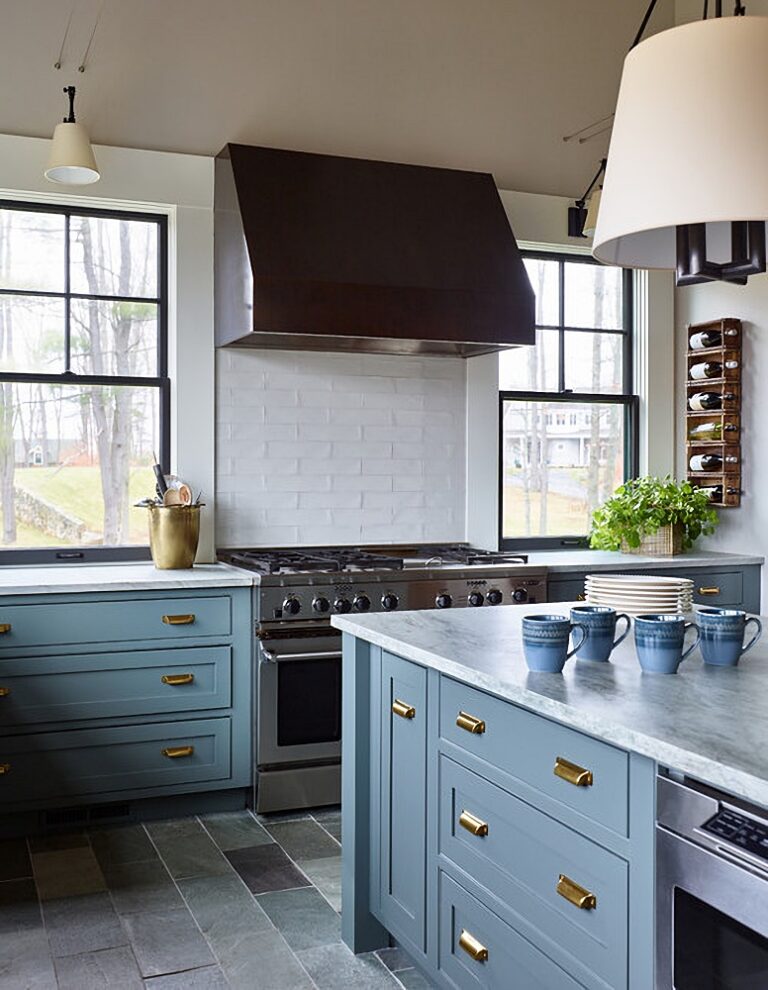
(717, 589)
(165, 619)
(477, 949)
(519, 854)
(62, 765)
(581, 773)
(106, 685)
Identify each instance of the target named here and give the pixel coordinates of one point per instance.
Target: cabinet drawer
(114, 621)
(570, 590)
(105, 685)
(55, 765)
(717, 589)
(518, 853)
(527, 746)
(512, 961)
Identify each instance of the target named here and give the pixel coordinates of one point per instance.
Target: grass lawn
(565, 516)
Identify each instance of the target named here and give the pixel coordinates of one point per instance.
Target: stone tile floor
(220, 901)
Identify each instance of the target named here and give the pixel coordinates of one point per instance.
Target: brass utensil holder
(174, 531)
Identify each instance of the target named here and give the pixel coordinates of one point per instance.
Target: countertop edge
(80, 578)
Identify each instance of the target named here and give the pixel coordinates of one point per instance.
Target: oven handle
(267, 656)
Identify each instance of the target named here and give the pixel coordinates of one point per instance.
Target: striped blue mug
(722, 635)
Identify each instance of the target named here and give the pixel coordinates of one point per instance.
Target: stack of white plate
(639, 593)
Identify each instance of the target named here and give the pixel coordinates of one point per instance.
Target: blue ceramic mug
(660, 642)
(545, 641)
(722, 635)
(601, 621)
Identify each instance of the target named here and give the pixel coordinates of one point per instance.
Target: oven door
(299, 701)
(711, 918)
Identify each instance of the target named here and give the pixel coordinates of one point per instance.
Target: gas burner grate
(300, 561)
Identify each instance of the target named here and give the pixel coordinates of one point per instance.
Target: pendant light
(583, 215)
(686, 186)
(71, 162)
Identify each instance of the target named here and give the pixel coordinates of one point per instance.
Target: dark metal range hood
(318, 252)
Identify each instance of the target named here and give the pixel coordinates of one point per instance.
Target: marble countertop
(709, 722)
(607, 560)
(46, 579)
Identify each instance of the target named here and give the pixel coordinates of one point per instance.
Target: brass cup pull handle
(403, 709)
(176, 752)
(5, 627)
(4, 692)
(476, 950)
(573, 773)
(469, 722)
(472, 823)
(575, 894)
(5, 768)
(178, 620)
(175, 679)
(709, 591)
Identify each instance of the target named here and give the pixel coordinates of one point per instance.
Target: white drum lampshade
(689, 143)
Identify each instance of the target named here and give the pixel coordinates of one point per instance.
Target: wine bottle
(710, 369)
(709, 338)
(710, 431)
(709, 400)
(715, 492)
(710, 462)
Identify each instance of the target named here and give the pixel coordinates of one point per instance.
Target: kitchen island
(481, 797)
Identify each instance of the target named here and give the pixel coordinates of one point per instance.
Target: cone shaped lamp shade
(590, 224)
(71, 160)
(689, 142)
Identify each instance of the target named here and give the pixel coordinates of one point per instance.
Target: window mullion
(561, 331)
(67, 299)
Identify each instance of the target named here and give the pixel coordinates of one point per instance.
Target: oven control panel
(739, 830)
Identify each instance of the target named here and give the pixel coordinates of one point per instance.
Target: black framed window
(84, 387)
(568, 417)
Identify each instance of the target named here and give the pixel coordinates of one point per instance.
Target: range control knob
(321, 604)
(444, 601)
(475, 599)
(362, 603)
(292, 606)
(389, 602)
(494, 597)
(342, 605)
(519, 595)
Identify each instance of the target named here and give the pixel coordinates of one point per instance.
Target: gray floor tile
(19, 907)
(115, 969)
(272, 818)
(209, 978)
(412, 979)
(304, 840)
(14, 860)
(82, 924)
(264, 962)
(187, 849)
(25, 961)
(167, 942)
(50, 843)
(325, 874)
(235, 830)
(334, 967)
(334, 828)
(266, 868)
(224, 910)
(116, 846)
(395, 958)
(303, 917)
(67, 872)
(331, 813)
(142, 887)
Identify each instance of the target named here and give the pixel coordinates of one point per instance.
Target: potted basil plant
(653, 516)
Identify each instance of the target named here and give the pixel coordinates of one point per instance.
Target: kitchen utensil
(601, 622)
(545, 641)
(660, 641)
(722, 635)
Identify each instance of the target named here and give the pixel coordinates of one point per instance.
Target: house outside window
(568, 414)
(84, 387)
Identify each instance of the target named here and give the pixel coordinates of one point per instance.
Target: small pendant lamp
(71, 162)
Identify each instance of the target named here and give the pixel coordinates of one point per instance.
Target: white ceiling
(483, 84)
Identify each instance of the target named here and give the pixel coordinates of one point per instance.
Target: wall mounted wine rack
(713, 410)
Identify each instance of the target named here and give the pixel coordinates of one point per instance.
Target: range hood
(318, 252)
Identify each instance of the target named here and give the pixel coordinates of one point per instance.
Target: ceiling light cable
(84, 59)
(585, 140)
(583, 130)
(57, 63)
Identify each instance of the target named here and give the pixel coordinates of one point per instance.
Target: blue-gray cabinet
(124, 696)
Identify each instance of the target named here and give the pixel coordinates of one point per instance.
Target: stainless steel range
(298, 652)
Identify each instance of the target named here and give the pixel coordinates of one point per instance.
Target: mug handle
(582, 641)
(695, 643)
(757, 635)
(624, 635)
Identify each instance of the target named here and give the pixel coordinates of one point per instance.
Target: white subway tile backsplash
(339, 448)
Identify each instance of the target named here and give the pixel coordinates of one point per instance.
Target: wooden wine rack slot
(729, 383)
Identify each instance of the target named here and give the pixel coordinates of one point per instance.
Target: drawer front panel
(527, 746)
(520, 858)
(512, 961)
(717, 589)
(54, 765)
(570, 590)
(106, 685)
(114, 621)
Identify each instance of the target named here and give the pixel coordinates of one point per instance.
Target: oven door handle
(268, 656)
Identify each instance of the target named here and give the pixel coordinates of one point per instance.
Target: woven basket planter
(665, 542)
